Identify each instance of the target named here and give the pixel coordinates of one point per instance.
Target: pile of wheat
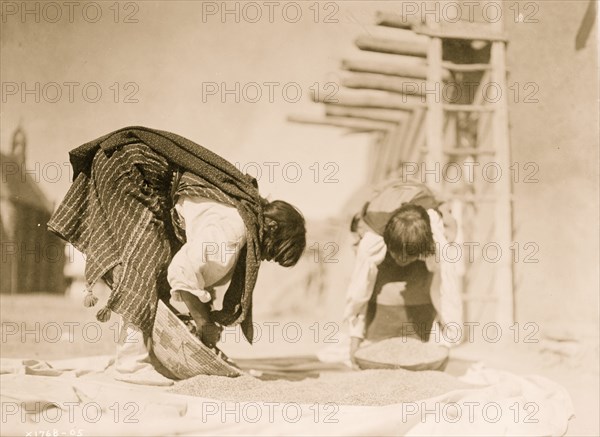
(402, 351)
(368, 387)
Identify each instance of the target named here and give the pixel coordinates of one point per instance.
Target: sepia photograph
(299, 218)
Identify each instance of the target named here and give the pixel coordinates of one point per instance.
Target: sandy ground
(49, 327)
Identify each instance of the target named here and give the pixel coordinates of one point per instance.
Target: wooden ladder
(437, 152)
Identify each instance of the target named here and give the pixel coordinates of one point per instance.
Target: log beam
(397, 47)
(360, 124)
(384, 82)
(391, 19)
(371, 99)
(378, 114)
(394, 68)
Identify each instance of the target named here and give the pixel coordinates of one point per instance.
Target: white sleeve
(211, 249)
(445, 294)
(370, 253)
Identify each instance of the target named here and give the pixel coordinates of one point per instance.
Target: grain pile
(402, 351)
(367, 387)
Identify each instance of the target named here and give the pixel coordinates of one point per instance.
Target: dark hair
(284, 239)
(408, 232)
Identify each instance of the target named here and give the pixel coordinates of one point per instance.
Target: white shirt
(215, 234)
(444, 287)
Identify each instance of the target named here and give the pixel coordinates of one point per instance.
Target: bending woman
(158, 216)
(401, 285)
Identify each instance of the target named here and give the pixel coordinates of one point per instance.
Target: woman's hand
(206, 330)
(209, 334)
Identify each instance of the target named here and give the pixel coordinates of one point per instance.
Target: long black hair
(284, 239)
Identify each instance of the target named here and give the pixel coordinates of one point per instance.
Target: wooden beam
(504, 285)
(345, 122)
(391, 19)
(420, 140)
(435, 111)
(394, 68)
(462, 30)
(370, 99)
(384, 82)
(450, 132)
(378, 114)
(478, 100)
(397, 47)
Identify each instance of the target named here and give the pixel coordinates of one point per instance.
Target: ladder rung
(395, 68)
(377, 114)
